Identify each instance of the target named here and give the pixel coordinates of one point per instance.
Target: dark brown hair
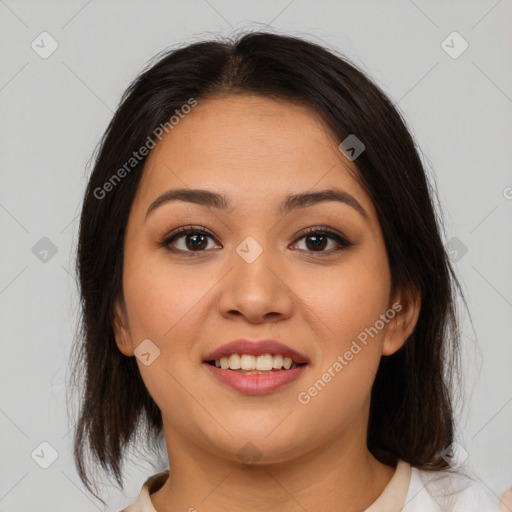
(411, 412)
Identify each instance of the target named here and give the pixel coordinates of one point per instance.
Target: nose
(256, 289)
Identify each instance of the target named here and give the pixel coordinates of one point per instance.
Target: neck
(339, 475)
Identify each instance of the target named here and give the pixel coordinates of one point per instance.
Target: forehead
(252, 149)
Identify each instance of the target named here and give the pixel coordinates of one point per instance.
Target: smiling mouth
(253, 365)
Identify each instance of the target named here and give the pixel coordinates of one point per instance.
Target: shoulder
(143, 501)
(448, 491)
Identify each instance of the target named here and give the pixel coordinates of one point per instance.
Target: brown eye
(195, 239)
(317, 240)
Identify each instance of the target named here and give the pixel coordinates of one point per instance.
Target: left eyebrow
(305, 199)
(291, 202)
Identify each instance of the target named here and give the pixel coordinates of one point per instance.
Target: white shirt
(409, 490)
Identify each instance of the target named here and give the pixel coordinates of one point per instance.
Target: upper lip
(256, 348)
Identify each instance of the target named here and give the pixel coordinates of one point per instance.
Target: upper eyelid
(184, 230)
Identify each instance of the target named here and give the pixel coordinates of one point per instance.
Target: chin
(255, 446)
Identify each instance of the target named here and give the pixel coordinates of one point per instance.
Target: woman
(264, 284)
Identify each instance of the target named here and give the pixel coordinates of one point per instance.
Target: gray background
(55, 109)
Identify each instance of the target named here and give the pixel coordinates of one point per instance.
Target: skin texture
(314, 457)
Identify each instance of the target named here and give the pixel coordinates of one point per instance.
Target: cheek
(350, 299)
(163, 304)
(350, 347)
(349, 303)
(161, 298)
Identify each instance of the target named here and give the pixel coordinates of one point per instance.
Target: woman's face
(256, 275)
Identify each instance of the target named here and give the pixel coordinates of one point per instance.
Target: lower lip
(256, 384)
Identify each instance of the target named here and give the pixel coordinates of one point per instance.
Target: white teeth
(234, 361)
(247, 362)
(278, 362)
(264, 362)
(255, 364)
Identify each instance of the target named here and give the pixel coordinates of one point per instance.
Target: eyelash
(317, 230)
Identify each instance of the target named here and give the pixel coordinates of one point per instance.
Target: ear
(121, 329)
(406, 303)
